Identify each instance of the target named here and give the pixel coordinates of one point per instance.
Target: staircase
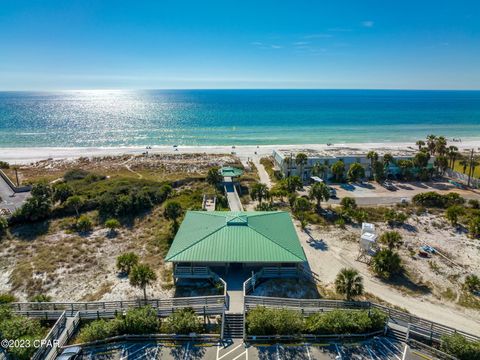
(233, 326)
(397, 334)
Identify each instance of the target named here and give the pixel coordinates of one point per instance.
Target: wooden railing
(192, 271)
(52, 335)
(198, 302)
(312, 338)
(425, 349)
(70, 328)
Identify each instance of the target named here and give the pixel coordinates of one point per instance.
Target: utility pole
(470, 167)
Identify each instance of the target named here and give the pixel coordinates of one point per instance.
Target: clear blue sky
(83, 44)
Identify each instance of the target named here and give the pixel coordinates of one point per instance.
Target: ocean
(233, 117)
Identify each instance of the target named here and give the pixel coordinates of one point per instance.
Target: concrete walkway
(234, 202)
(234, 280)
(262, 173)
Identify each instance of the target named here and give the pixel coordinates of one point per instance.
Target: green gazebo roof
(245, 237)
(229, 171)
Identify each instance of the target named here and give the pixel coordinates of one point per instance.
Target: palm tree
(392, 239)
(372, 156)
(472, 283)
(420, 144)
(464, 164)
(301, 161)
(431, 144)
(387, 159)
(452, 155)
(141, 276)
(349, 283)
(441, 145)
(319, 192)
(260, 192)
(173, 210)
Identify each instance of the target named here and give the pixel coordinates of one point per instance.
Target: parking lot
(375, 349)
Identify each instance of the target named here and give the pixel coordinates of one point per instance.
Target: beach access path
(9, 199)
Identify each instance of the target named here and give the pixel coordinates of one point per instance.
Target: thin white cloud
(257, 43)
(367, 23)
(318, 36)
(299, 43)
(274, 46)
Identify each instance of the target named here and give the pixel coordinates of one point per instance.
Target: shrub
(126, 262)
(395, 218)
(136, 321)
(98, 330)
(38, 206)
(453, 212)
(7, 298)
(75, 174)
(40, 298)
(61, 192)
(348, 203)
(474, 227)
(267, 321)
(84, 224)
(392, 239)
(3, 226)
(183, 321)
(16, 327)
(472, 283)
(460, 347)
(386, 263)
(433, 199)
(345, 322)
(112, 225)
(4, 165)
(474, 203)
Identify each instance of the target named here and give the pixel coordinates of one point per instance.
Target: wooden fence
(198, 302)
(52, 336)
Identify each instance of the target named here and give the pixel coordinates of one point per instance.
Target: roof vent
(237, 220)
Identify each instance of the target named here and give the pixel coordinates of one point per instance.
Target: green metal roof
(227, 236)
(230, 171)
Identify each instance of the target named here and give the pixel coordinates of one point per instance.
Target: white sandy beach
(32, 154)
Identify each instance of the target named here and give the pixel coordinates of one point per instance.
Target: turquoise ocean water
(227, 117)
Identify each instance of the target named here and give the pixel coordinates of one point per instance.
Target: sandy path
(262, 173)
(327, 256)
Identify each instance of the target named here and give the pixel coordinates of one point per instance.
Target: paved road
(379, 348)
(8, 202)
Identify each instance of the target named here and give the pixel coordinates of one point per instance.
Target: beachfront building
(285, 164)
(226, 241)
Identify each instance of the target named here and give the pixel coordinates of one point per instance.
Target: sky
(329, 44)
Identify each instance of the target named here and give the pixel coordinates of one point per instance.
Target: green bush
(266, 321)
(136, 321)
(7, 298)
(38, 206)
(345, 322)
(183, 321)
(474, 227)
(84, 224)
(126, 262)
(3, 226)
(4, 165)
(433, 199)
(395, 218)
(61, 192)
(460, 347)
(40, 298)
(17, 327)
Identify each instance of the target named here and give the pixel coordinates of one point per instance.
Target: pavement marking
(239, 355)
(187, 350)
(308, 352)
(369, 352)
(389, 350)
(218, 349)
(278, 351)
(235, 348)
(338, 350)
(128, 355)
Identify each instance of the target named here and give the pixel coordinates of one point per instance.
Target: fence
(198, 302)
(422, 328)
(70, 328)
(15, 188)
(475, 183)
(425, 349)
(52, 335)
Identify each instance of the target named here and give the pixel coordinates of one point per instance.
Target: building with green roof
(230, 171)
(213, 239)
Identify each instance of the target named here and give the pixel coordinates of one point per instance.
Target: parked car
(70, 353)
(333, 192)
(388, 185)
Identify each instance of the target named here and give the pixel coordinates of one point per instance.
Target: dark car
(388, 185)
(70, 353)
